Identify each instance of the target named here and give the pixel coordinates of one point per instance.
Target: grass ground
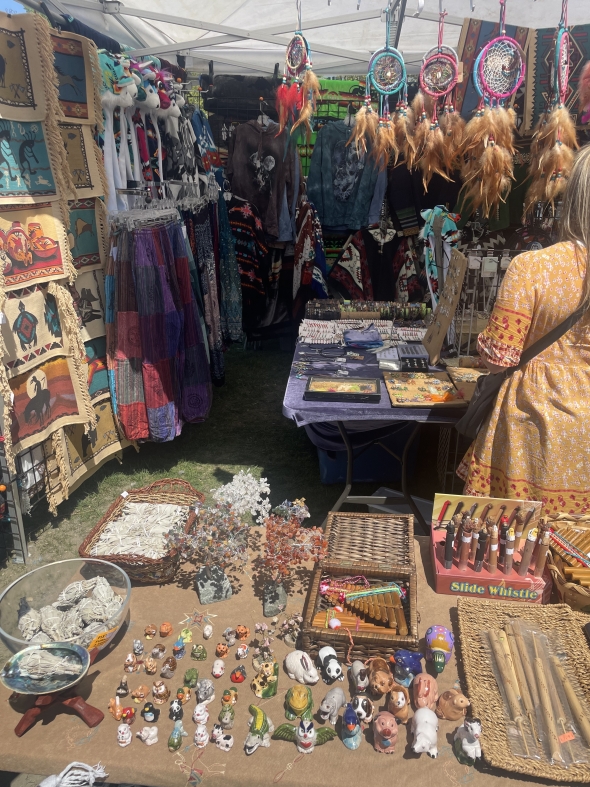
(246, 429)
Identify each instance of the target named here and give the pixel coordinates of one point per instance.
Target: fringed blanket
(87, 235)
(78, 76)
(84, 160)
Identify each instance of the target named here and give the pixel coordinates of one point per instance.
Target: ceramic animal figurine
(178, 649)
(183, 694)
(452, 705)
(266, 683)
(201, 713)
(380, 677)
(226, 716)
(191, 676)
(131, 663)
(329, 665)
(149, 735)
(150, 631)
(201, 737)
(299, 703)
(424, 729)
(186, 635)
(218, 668)
(220, 739)
(467, 741)
(299, 667)
(363, 707)
(137, 647)
(176, 712)
(128, 715)
(305, 735)
(122, 688)
(399, 703)
(384, 732)
(140, 694)
(358, 676)
(160, 692)
(168, 668)
(150, 665)
(198, 653)
(242, 633)
(229, 697)
(150, 713)
(176, 736)
(242, 651)
(331, 704)
(165, 629)
(425, 690)
(260, 730)
(238, 675)
(221, 650)
(439, 646)
(351, 729)
(124, 735)
(205, 691)
(115, 708)
(207, 631)
(158, 651)
(229, 635)
(407, 666)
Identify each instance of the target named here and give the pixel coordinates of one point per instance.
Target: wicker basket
(366, 643)
(146, 570)
(476, 616)
(381, 540)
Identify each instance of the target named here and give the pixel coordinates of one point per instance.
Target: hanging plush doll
(146, 102)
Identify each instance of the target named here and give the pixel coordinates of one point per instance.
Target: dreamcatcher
(438, 133)
(488, 145)
(554, 138)
(296, 101)
(387, 75)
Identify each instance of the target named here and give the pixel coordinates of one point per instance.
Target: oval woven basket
(146, 570)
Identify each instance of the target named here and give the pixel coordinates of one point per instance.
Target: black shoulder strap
(549, 338)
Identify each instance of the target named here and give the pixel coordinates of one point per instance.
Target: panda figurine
(329, 665)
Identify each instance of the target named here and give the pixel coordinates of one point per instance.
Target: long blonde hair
(575, 216)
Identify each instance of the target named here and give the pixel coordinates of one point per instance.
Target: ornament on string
(554, 138)
(488, 144)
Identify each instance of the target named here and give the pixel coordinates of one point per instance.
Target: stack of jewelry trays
(410, 334)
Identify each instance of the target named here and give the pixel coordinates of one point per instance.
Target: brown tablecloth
(63, 738)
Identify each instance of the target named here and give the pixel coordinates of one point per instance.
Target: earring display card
(330, 389)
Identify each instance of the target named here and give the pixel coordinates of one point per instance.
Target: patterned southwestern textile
(534, 445)
(78, 76)
(251, 254)
(231, 290)
(350, 273)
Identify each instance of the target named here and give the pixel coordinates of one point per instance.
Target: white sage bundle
(75, 592)
(42, 664)
(29, 624)
(141, 529)
(51, 620)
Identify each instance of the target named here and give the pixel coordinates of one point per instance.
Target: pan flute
(369, 611)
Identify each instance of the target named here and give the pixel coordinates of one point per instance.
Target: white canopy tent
(249, 36)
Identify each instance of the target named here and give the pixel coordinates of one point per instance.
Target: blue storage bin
(374, 464)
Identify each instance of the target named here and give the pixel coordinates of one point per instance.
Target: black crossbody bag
(488, 386)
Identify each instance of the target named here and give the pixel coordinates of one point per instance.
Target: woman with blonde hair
(535, 445)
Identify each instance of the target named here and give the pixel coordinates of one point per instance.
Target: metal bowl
(12, 678)
(42, 586)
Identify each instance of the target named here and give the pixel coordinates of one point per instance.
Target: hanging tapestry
(89, 302)
(96, 363)
(541, 51)
(87, 233)
(85, 453)
(45, 398)
(33, 244)
(27, 91)
(82, 160)
(78, 76)
(350, 273)
(31, 330)
(33, 164)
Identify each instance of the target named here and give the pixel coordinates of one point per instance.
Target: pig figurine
(425, 690)
(452, 705)
(384, 732)
(399, 703)
(425, 732)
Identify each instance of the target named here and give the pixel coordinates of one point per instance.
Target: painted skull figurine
(439, 646)
(150, 631)
(124, 735)
(218, 668)
(198, 653)
(221, 651)
(242, 651)
(207, 631)
(242, 633)
(165, 629)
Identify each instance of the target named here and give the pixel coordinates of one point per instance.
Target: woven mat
(84, 160)
(78, 77)
(486, 701)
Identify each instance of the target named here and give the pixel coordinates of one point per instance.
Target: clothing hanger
(349, 120)
(263, 119)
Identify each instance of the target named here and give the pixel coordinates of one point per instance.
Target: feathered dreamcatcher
(296, 100)
(434, 144)
(387, 75)
(554, 138)
(488, 143)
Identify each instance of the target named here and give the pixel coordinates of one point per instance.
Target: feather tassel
(357, 138)
(431, 161)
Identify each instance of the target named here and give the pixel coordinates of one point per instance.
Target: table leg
(349, 466)
(407, 496)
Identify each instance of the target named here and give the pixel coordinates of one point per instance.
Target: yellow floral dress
(536, 443)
